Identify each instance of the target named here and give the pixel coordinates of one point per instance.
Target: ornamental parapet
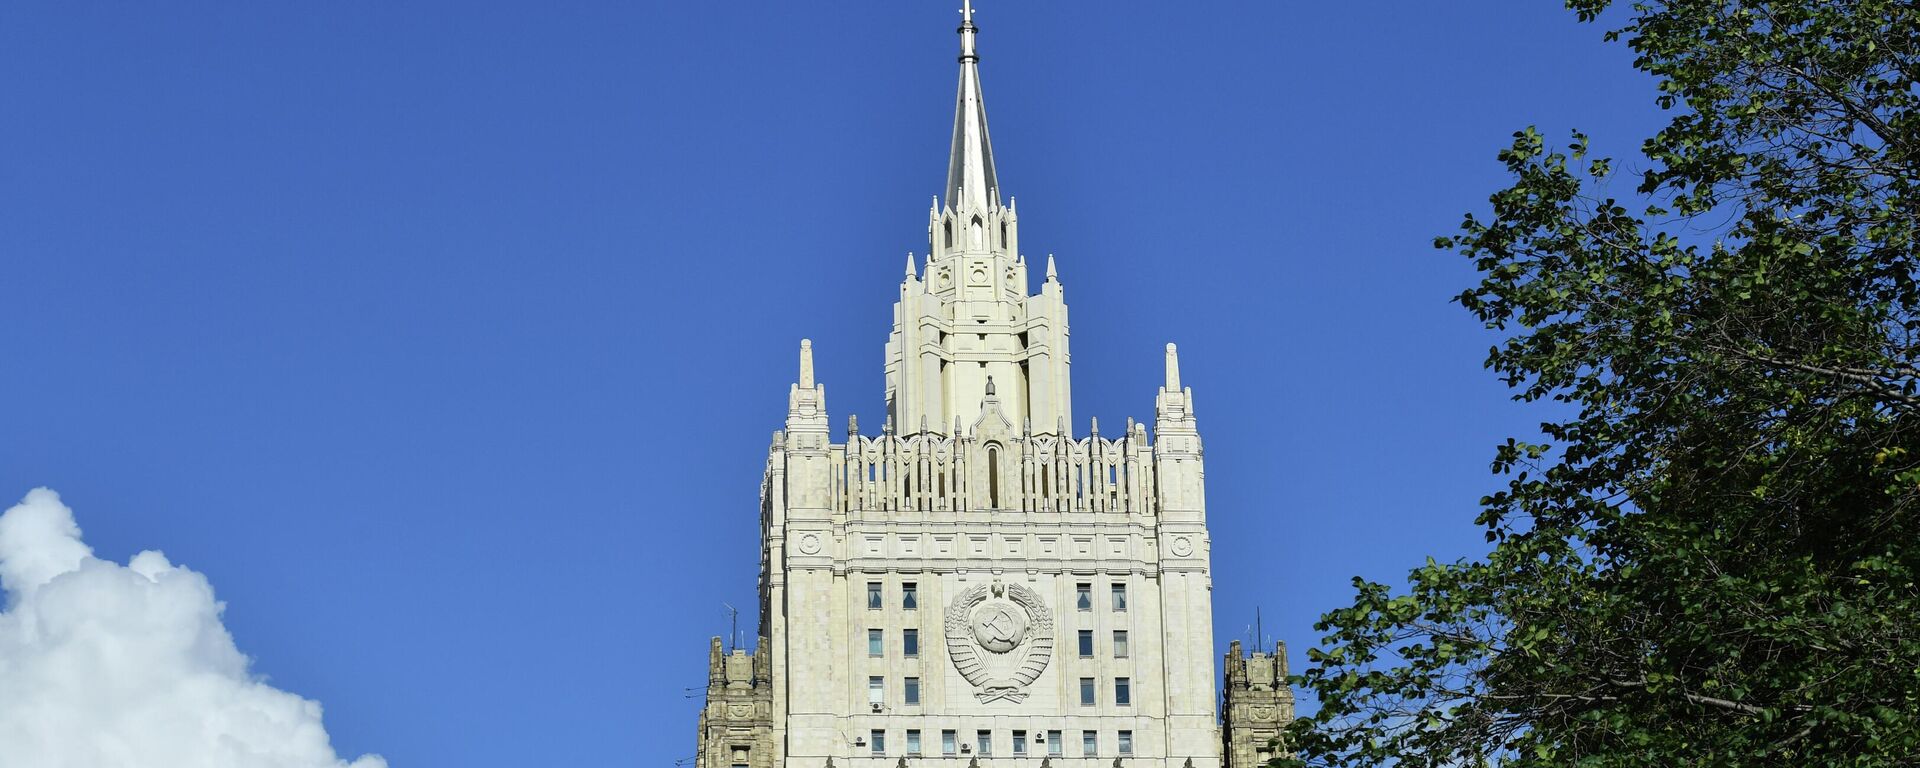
(885, 475)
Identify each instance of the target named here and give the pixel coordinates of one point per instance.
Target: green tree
(1712, 560)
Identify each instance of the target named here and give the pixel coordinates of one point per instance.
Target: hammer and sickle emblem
(1001, 625)
(999, 628)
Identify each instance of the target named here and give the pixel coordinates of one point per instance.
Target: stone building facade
(974, 583)
(1256, 705)
(737, 723)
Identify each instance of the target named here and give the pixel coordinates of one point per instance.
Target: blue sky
(446, 339)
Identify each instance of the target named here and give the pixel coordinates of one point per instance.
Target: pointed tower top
(806, 364)
(970, 178)
(1052, 274)
(1173, 368)
(910, 274)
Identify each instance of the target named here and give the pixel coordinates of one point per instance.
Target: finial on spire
(1052, 275)
(967, 31)
(910, 274)
(1173, 369)
(806, 364)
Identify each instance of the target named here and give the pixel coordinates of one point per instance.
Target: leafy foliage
(1713, 560)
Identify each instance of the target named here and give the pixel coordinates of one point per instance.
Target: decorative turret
(968, 315)
(1176, 448)
(806, 407)
(1175, 428)
(736, 727)
(1255, 706)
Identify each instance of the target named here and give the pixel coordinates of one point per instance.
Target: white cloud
(111, 666)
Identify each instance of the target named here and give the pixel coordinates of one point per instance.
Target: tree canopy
(1711, 558)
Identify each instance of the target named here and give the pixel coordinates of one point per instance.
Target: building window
(876, 690)
(1083, 596)
(873, 596)
(985, 739)
(1089, 743)
(910, 642)
(912, 691)
(993, 476)
(949, 742)
(913, 741)
(1122, 691)
(878, 739)
(1086, 691)
(1056, 744)
(1119, 643)
(1086, 643)
(1126, 742)
(876, 643)
(910, 596)
(1019, 742)
(1119, 597)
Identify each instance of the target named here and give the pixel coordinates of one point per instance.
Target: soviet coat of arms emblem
(1000, 637)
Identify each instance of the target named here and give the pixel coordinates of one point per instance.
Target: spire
(1173, 369)
(970, 178)
(910, 274)
(1052, 274)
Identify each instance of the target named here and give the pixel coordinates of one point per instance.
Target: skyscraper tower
(972, 581)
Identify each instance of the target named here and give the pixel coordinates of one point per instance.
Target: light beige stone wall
(1031, 520)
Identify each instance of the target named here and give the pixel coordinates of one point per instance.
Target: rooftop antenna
(735, 637)
(1259, 631)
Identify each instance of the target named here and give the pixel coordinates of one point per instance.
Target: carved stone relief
(1000, 637)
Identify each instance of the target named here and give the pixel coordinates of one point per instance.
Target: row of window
(910, 691)
(910, 596)
(877, 691)
(910, 643)
(1054, 742)
(877, 643)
